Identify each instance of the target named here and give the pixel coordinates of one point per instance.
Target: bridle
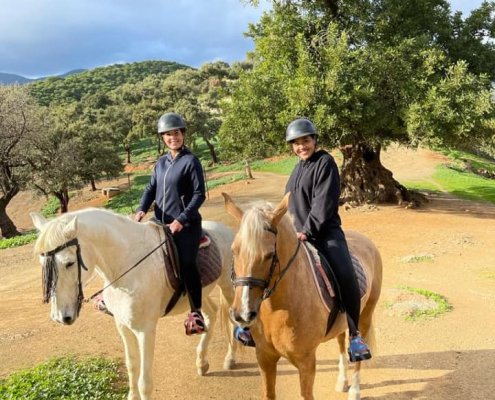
(265, 283)
(50, 272)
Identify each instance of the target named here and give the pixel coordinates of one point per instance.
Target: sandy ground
(451, 357)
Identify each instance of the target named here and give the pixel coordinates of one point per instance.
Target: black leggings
(187, 243)
(334, 246)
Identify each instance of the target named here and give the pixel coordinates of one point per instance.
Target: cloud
(46, 37)
(49, 37)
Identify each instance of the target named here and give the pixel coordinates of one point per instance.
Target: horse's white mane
(52, 234)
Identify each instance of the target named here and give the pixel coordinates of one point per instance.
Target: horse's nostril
(252, 315)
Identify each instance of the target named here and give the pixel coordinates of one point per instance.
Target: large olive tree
(368, 73)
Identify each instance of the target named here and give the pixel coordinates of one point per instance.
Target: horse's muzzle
(242, 318)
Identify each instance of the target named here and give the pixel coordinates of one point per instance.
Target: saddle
(326, 282)
(209, 264)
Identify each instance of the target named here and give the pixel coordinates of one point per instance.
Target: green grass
(17, 241)
(127, 202)
(418, 258)
(283, 166)
(462, 184)
(67, 378)
(213, 183)
(51, 207)
(477, 162)
(443, 306)
(143, 150)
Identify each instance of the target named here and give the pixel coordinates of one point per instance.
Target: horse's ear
(70, 229)
(280, 210)
(232, 208)
(38, 220)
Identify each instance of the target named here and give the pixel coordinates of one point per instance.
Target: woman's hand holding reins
(302, 236)
(139, 216)
(175, 226)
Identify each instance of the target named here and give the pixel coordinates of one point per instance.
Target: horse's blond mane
(52, 234)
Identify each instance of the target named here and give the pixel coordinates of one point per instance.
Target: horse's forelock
(253, 227)
(52, 235)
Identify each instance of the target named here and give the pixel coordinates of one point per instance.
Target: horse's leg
(226, 298)
(342, 384)
(354, 389)
(146, 341)
(367, 330)
(131, 350)
(268, 368)
(210, 314)
(306, 365)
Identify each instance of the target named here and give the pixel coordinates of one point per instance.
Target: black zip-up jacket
(177, 187)
(315, 190)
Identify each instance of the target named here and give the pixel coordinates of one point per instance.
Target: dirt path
(448, 358)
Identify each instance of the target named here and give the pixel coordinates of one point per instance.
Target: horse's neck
(291, 255)
(115, 242)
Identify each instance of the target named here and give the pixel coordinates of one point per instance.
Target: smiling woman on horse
(314, 185)
(177, 188)
(314, 203)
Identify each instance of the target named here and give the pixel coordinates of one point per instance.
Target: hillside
(62, 89)
(8, 79)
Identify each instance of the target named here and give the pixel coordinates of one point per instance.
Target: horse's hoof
(203, 369)
(229, 364)
(341, 386)
(354, 395)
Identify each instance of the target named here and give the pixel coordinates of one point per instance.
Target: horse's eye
(269, 256)
(69, 264)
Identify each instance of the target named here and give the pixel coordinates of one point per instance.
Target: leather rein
(265, 283)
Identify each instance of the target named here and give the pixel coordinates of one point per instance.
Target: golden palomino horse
(276, 297)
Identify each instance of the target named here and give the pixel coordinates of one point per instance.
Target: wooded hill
(103, 79)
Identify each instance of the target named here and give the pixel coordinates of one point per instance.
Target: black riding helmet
(171, 121)
(298, 128)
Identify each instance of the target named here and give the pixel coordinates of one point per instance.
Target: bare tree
(18, 120)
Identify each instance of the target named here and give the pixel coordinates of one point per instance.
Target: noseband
(265, 283)
(50, 272)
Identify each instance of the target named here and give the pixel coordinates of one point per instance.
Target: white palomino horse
(75, 245)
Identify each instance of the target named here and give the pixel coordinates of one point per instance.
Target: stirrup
(244, 336)
(99, 305)
(358, 349)
(195, 324)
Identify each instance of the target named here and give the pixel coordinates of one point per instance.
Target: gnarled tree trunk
(63, 198)
(211, 149)
(365, 180)
(7, 226)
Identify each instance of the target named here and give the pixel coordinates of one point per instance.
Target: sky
(50, 37)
